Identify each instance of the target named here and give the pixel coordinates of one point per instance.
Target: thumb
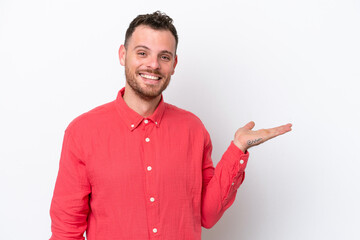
(249, 125)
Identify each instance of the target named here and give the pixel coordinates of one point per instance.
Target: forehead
(155, 40)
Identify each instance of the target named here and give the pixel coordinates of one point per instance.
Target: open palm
(245, 137)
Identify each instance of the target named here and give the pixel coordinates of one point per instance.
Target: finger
(284, 128)
(250, 125)
(276, 131)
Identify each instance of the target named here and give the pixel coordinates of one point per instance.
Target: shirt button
(146, 121)
(152, 199)
(241, 161)
(154, 230)
(147, 139)
(155, 122)
(233, 184)
(149, 168)
(132, 125)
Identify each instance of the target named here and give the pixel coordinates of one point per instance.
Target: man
(139, 168)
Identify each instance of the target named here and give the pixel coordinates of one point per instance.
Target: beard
(148, 92)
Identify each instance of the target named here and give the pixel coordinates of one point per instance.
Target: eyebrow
(163, 51)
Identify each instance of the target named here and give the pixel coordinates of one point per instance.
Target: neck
(144, 107)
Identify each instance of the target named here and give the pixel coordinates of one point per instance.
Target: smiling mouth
(149, 76)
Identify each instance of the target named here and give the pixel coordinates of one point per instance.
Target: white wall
(269, 61)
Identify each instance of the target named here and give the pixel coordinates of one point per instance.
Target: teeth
(149, 77)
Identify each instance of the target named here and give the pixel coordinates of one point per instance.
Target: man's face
(149, 61)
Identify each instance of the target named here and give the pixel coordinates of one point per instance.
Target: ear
(175, 63)
(122, 54)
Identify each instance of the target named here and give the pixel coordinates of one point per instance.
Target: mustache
(153, 71)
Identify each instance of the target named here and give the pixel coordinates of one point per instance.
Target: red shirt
(123, 176)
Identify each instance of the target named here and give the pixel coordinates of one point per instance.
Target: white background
(273, 62)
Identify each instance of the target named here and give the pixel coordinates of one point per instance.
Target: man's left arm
(220, 184)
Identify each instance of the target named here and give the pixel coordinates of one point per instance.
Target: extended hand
(245, 137)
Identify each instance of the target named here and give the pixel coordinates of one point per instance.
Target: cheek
(168, 69)
(132, 62)
(132, 67)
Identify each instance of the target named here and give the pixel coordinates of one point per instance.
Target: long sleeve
(70, 203)
(220, 184)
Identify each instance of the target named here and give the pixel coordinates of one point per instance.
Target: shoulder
(186, 122)
(95, 117)
(182, 115)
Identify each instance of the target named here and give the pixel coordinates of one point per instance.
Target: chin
(148, 94)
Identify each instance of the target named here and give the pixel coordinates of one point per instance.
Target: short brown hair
(156, 20)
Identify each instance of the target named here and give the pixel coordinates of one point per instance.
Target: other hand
(245, 137)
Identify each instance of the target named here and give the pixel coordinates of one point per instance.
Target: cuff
(236, 158)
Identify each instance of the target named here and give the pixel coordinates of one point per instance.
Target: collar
(131, 118)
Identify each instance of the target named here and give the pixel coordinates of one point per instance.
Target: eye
(165, 57)
(142, 54)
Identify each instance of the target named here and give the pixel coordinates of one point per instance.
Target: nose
(153, 62)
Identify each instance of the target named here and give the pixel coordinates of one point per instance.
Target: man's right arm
(70, 204)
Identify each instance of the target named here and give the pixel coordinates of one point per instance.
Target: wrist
(241, 147)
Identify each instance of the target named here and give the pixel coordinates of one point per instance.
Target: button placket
(152, 200)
